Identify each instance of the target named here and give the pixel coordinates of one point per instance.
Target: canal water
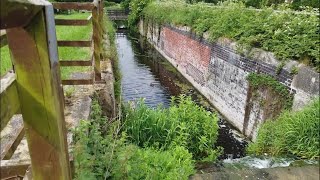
(146, 74)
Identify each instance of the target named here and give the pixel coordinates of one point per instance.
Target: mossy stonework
(267, 98)
(246, 91)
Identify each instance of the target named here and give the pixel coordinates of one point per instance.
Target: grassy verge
(291, 134)
(73, 33)
(111, 53)
(287, 35)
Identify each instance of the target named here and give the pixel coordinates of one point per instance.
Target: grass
(184, 124)
(5, 60)
(102, 151)
(73, 53)
(291, 134)
(65, 53)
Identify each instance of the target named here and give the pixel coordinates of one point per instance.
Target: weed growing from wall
(292, 133)
(257, 81)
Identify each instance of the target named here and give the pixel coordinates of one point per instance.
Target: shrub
(133, 162)
(286, 34)
(101, 152)
(292, 133)
(183, 124)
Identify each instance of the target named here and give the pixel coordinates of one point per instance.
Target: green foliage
(5, 63)
(262, 80)
(111, 53)
(148, 163)
(101, 152)
(292, 133)
(286, 34)
(183, 124)
(136, 7)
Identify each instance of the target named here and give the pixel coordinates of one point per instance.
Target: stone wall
(219, 73)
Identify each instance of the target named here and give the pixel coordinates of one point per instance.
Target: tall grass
(292, 133)
(183, 124)
(102, 152)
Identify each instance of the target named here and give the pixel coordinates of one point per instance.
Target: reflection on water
(146, 74)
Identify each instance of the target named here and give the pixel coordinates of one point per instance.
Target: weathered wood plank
(75, 63)
(3, 38)
(17, 13)
(74, 43)
(40, 94)
(10, 168)
(9, 99)
(96, 37)
(11, 137)
(77, 81)
(73, 5)
(72, 22)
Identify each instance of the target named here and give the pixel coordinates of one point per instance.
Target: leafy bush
(136, 163)
(286, 34)
(136, 7)
(292, 133)
(101, 152)
(183, 124)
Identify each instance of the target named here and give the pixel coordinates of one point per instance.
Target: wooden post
(97, 35)
(34, 54)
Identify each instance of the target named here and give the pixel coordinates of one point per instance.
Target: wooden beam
(13, 168)
(75, 63)
(11, 137)
(77, 81)
(72, 22)
(17, 13)
(3, 38)
(9, 99)
(73, 5)
(74, 43)
(41, 96)
(96, 37)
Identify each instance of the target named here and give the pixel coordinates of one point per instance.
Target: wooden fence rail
(34, 88)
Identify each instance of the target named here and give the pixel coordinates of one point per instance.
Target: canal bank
(221, 74)
(147, 74)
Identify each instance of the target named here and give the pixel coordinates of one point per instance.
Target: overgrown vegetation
(106, 149)
(285, 33)
(266, 81)
(291, 134)
(183, 124)
(111, 53)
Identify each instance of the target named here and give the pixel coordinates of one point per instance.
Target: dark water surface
(146, 74)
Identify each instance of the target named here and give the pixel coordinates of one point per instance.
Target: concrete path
(286, 173)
